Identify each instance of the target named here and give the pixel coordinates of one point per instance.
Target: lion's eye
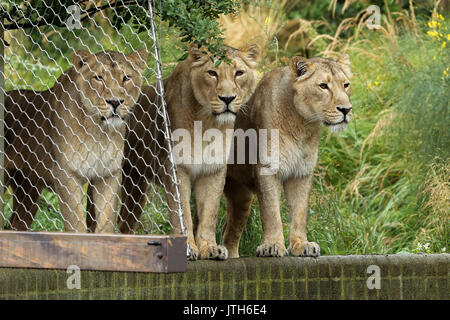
(212, 73)
(346, 85)
(98, 78)
(126, 78)
(323, 86)
(239, 73)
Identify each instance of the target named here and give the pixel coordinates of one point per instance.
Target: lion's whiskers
(315, 118)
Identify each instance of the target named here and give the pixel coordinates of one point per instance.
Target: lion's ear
(195, 53)
(344, 62)
(80, 58)
(301, 67)
(253, 52)
(139, 58)
(344, 59)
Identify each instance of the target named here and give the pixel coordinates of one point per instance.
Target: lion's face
(109, 83)
(322, 90)
(222, 90)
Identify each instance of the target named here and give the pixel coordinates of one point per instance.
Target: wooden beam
(111, 252)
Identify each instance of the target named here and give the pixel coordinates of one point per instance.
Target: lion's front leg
(70, 193)
(105, 191)
(134, 187)
(25, 202)
(208, 191)
(184, 188)
(269, 203)
(297, 193)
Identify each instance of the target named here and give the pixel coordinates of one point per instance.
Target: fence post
(2, 125)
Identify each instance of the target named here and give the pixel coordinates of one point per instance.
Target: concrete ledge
(328, 277)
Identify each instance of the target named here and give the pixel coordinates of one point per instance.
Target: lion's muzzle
(114, 105)
(225, 111)
(227, 100)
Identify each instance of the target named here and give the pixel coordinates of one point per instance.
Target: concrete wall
(327, 277)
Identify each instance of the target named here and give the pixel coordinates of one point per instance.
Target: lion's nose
(344, 110)
(115, 103)
(227, 100)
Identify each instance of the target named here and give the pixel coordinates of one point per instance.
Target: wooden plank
(111, 252)
(176, 254)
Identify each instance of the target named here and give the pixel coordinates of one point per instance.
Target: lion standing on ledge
(75, 134)
(294, 100)
(197, 90)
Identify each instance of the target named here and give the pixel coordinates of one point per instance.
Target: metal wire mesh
(85, 127)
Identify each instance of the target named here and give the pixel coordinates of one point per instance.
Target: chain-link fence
(84, 123)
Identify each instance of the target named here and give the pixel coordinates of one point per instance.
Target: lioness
(72, 134)
(195, 91)
(295, 100)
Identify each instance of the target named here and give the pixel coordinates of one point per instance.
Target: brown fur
(69, 135)
(192, 94)
(291, 100)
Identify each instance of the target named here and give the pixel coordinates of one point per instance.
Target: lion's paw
(213, 252)
(271, 250)
(304, 249)
(192, 251)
